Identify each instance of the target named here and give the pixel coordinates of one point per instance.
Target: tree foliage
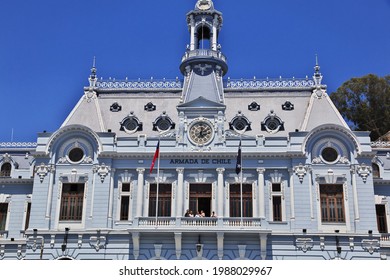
(365, 104)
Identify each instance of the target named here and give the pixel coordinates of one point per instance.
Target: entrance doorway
(200, 198)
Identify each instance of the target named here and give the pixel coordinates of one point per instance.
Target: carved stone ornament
(97, 242)
(370, 245)
(304, 244)
(364, 171)
(300, 171)
(42, 170)
(102, 171)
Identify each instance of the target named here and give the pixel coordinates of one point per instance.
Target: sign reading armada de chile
(201, 161)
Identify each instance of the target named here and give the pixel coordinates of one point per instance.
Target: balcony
(202, 224)
(201, 56)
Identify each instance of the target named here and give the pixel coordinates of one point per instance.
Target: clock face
(201, 133)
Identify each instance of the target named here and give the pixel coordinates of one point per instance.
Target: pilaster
(220, 198)
(140, 191)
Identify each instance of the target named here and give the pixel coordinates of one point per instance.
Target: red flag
(156, 155)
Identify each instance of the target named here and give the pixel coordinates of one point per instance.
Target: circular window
(272, 124)
(76, 155)
(131, 124)
(163, 124)
(240, 124)
(329, 154)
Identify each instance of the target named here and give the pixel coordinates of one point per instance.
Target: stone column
(220, 199)
(261, 202)
(180, 192)
(215, 34)
(192, 44)
(140, 191)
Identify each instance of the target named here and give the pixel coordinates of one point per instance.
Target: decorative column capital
(220, 171)
(180, 170)
(141, 171)
(260, 170)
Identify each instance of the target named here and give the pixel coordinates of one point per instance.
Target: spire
(317, 74)
(93, 77)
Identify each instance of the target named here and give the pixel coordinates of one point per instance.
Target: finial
(317, 74)
(92, 78)
(317, 67)
(93, 69)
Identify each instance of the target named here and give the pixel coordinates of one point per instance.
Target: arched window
(5, 170)
(375, 171)
(204, 37)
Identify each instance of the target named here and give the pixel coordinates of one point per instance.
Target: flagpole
(241, 210)
(241, 172)
(158, 178)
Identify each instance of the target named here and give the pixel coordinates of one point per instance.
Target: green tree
(365, 104)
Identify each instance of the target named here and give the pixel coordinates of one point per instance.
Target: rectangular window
(381, 218)
(27, 222)
(235, 200)
(164, 200)
(332, 204)
(277, 208)
(3, 215)
(72, 202)
(125, 202)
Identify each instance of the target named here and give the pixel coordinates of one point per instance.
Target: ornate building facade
(307, 187)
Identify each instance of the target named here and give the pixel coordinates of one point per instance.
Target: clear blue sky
(47, 47)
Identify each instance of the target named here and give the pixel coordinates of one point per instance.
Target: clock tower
(202, 105)
(203, 64)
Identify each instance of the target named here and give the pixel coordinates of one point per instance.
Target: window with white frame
(72, 200)
(276, 200)
(3, 215)
(164, 200)
(124, 211)
(235, 200)
(332, 204)
(27, 218)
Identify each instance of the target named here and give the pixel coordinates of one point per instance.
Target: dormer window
(5, 170)
(272, 123)
(116, 107)
(163, 123)
(375, 171)
(131, 124)
(240, 123)
(150, 107)
(288, 106)
(254, 106)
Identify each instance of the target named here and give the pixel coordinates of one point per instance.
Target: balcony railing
(205, 223)
(203, 53)
(385, 237)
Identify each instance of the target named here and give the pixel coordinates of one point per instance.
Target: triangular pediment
(200, 103)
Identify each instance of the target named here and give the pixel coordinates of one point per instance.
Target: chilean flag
(156, 155)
